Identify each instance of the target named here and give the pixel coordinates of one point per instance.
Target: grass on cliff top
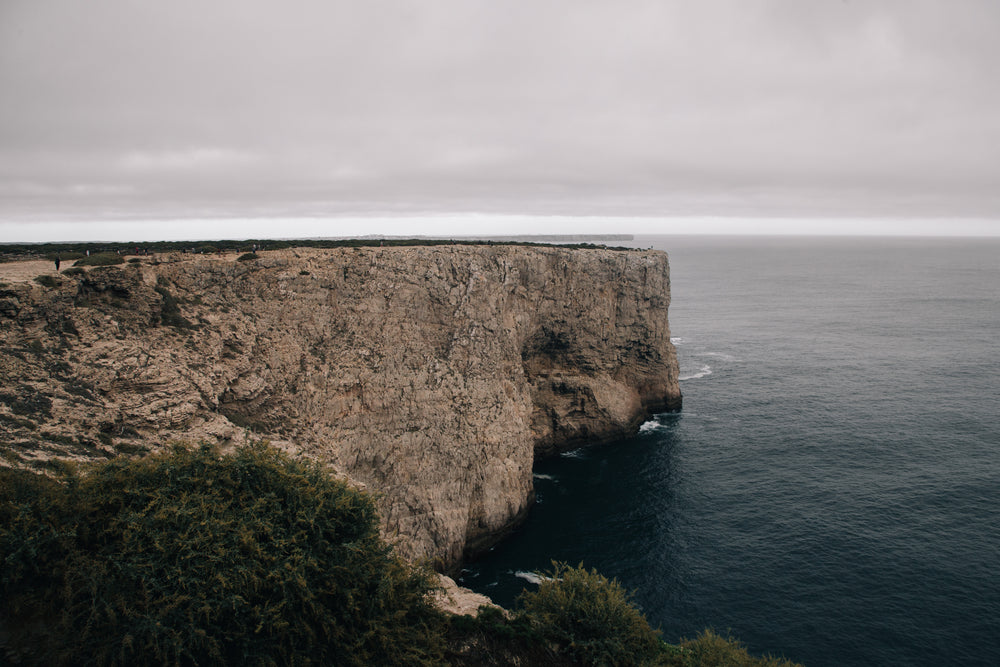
(76, 250)
(46, 280)
(100, 259)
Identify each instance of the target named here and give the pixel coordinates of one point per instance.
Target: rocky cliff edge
(432, 375)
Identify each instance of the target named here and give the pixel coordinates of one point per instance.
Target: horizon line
(458, 225)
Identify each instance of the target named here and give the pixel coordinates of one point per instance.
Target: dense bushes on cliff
(579, 617)
(710, 649)
(191, 557)
(576, 617)
(590, 618)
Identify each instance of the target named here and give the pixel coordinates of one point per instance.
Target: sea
(830, 491)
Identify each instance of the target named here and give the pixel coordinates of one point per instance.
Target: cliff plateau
(431, 374)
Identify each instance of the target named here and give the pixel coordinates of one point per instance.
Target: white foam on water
(651, 426)
(539, 475)
(573, 454)
(677, 341)
(702, 372)
(531, 577)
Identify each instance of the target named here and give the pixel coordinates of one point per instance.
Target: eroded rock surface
(432, 375)
(455, 599)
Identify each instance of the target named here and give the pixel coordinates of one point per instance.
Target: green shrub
(100, 259)
(712, 650)
(45, 280)
(590, 618)
(74, 271)
(246, 257)
(64, 256)
(189, 557)
(494, 638)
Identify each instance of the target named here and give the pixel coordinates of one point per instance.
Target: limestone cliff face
(433, 375)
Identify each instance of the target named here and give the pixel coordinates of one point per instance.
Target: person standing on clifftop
(57, 262)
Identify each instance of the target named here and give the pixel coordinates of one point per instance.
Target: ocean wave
(718, 355)
(539, 475)
(677, 341)
(531, 577)
(702, 372)
(651, 426)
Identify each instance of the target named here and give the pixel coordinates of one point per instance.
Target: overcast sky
(114, 110)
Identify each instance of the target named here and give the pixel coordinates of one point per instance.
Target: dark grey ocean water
(831, 490)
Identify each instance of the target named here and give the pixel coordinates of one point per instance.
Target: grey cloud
(754, 106)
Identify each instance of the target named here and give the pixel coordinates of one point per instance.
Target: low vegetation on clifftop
(190, 556)
(79, 250)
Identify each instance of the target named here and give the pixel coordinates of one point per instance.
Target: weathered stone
(456, 599)
(433, 375)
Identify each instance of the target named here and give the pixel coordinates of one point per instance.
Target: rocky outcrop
(455, 599)
(433, 375)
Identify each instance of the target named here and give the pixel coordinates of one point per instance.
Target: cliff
(433, 375)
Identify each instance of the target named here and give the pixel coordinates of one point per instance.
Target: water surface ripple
(831, 491)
